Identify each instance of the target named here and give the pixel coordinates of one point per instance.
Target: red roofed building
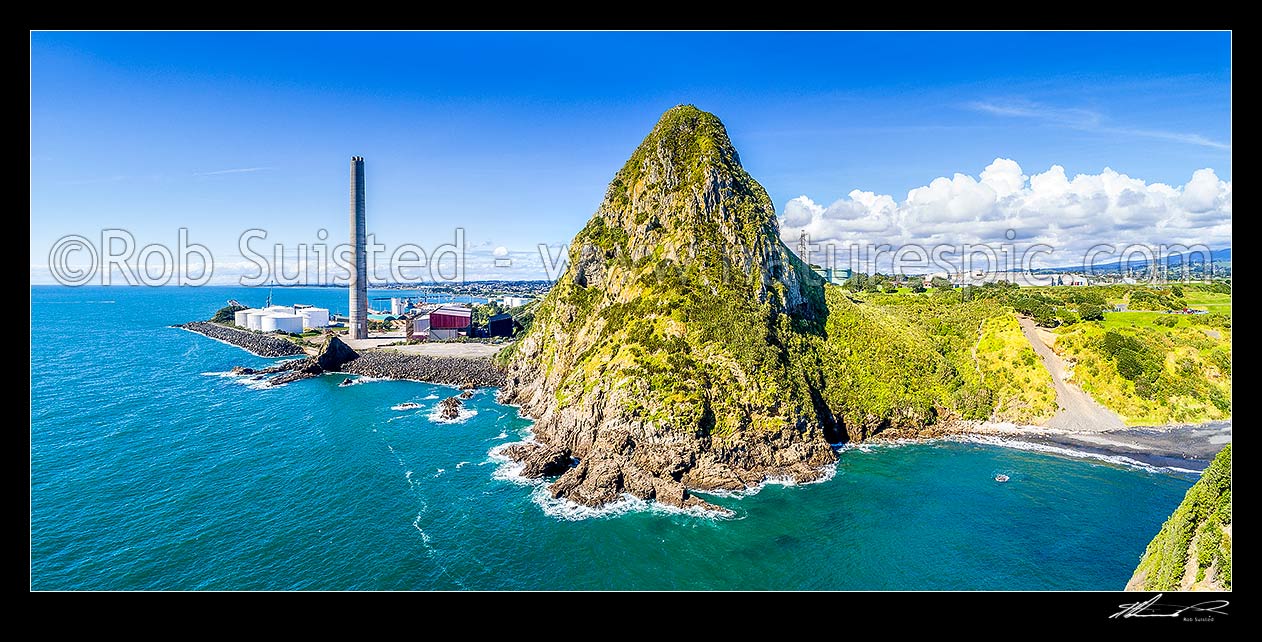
(447, 322)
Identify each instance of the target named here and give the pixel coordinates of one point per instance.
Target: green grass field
(1211, 301)
(1113, 320)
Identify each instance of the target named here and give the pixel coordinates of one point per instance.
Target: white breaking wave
(247, 380)
(462, 416)
(1016, 444)
(407, 405)
(1120, 460)
(461, 465)
(356, 381)
(571, 512)
(508, 470)
(431, 396)
(829, 471)
(559, 508)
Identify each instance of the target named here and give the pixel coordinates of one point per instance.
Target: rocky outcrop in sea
(658, 362)
(259, 344)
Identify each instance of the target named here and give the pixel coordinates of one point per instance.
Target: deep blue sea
(151, 469)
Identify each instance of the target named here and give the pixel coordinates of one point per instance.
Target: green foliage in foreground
(1200, 527)
(482, 312)
(227, 314)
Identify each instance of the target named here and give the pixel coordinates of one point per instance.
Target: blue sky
(515, 135)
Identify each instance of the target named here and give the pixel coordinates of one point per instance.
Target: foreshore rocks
(467, 372)
(449, 408)
(259, 344)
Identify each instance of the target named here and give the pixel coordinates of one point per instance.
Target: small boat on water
(1001, 478)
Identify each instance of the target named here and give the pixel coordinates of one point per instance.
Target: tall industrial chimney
(359, 274)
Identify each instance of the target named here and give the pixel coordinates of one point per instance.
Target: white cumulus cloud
(1004, 205)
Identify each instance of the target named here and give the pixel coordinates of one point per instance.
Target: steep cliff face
(1192, 552)
(662, 358)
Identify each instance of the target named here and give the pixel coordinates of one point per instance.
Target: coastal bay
(353, 494)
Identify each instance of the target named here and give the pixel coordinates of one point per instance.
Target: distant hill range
(1220, 258)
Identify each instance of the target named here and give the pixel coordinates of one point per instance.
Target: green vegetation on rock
(1193, 549)
(226, 314)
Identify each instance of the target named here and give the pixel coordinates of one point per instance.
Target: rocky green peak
(682, 203)
(686, 141)
(660, 351)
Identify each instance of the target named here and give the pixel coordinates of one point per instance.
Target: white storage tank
(241, 317)
(280, 322)
(314, 317)
(282, 309)
(254, 319)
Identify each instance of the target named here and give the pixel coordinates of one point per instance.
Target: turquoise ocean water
(150, 469)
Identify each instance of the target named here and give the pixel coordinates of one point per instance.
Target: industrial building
(831, 275)
(500, 325)
(399, 305)
(281, 322)
(254, 319)
(313, 317)
(443, 323)
(282, 318)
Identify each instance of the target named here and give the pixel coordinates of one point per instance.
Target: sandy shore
(1180, 446)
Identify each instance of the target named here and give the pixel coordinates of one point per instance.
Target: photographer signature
(1150, 608)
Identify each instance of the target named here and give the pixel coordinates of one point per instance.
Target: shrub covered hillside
(987, 369)
(1152, 374)
(1193, 549)
(1149, 363)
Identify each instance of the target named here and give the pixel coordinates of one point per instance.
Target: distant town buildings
(516, 301)
(832, 275)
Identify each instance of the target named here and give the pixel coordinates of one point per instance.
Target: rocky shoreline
(598, 460)
(258, 344)
(453, 371)
(336, 356)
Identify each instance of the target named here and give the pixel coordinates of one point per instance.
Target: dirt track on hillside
(1078, 411)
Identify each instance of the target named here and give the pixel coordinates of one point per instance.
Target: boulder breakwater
(259, 344)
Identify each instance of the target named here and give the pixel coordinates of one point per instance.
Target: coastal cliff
(658, 361)
(1192, 552)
